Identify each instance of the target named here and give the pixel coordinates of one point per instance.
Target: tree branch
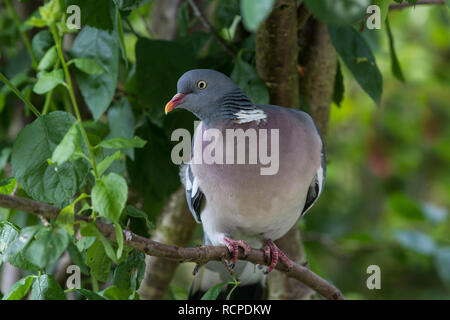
(199, 255)
(400, 6)
(210, 28)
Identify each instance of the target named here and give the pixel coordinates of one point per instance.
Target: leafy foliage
(43, 181)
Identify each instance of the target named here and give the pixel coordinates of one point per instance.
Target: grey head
(210, 95)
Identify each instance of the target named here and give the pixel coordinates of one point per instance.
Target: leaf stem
(57, 40)
(94, 284)
(48, 99)
(5, 80)
(23, 34)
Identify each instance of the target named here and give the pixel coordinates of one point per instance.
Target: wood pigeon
(238, 204)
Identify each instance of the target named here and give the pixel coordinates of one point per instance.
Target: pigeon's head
(201, 92)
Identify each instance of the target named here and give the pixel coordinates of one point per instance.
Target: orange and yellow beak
(176, 100)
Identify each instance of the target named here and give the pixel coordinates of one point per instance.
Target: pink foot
(233, 246)
(272, 254)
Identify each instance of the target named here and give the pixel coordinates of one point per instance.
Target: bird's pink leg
(233, 246)
(273, 254)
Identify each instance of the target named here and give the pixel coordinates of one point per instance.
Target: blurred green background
(387, 195)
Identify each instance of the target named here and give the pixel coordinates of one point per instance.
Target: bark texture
(320, 59)
(277, 52)
(164, 16)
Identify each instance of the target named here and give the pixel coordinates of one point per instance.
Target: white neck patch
(245, 116)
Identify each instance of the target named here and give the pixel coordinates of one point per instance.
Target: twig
(400, 6)
(197, 254)
(23, 34)
(19, 94)
(210, 28)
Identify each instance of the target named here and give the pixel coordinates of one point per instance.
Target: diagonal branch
(210, 28)
(199, 255)
(399, 6)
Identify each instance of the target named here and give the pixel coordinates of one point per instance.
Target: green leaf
(41, 43)
(246, 77)
(226, 11)
(48, 80)
(442, 263)
(66, 216)
(358, 57)
(109, 196)
(4, 156)
(255, 12)
(395, 64)
(7, 186)
(129, 273)
(85, 243)
(89, 66)
(405, 206)
(16, 249)
(46, 288)
(69, 144)
(338, 91)
(119, 239)
(214, 291)
(48, 246)
(89, 295)
(114, 293)
(106, 163)
(49, 59)
(99, 13)
(127, 5)
(121, 123)
(98, 261)
(135, 212)
(342, 12)
(121, 143)
(416, 241)
(19, 289)
(51, 11)
(159, 64)
(8, 233)
(36, 22)
(33, 146)
(97, 90)
(153, 173)
(77, 258)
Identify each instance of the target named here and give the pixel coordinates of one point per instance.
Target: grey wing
(194, 196)
(318, 182)
(316, 187)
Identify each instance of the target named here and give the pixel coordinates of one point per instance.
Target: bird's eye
(201, 84)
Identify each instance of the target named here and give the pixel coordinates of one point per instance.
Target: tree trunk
(317, 85)
(277, 53)
(164, 17)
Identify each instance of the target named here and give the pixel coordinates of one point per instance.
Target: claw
(233, 246)
(272, 253)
